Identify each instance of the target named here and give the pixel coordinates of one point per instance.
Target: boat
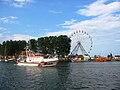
(10, 60)
(50, 61)
(101, 59)
(80, 58)
(35, 59)
(29, 61)
(38, 61)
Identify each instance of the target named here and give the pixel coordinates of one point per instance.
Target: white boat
(48, 62)
(9, 60)
(29, 61)
(38, 61)
(35, 59)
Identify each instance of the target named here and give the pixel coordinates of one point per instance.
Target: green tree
(47, 45)
(53, 44)
(63, 45)
(33, 44)
(0, 49)
(10, 48)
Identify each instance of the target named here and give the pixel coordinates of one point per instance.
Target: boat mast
(28, 48)
(26, 51)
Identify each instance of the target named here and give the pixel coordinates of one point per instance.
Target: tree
(0, 49)
(63, 45)
(53, 44)
(47, 45)
(10, 48)
(33, 44)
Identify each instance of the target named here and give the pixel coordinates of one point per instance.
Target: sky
(31, 19)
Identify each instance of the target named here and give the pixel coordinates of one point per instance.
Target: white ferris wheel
(81, 43)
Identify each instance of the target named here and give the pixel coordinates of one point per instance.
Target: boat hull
(49, 63)
(27, 64)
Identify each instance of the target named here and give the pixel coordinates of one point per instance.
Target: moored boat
(50, 61)
(101, 59)
(36, 59)
(29, 61)
(80, 58)
(32, 58)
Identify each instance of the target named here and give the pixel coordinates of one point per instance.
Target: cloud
(117, 40)
(9, 20)
(67, 32)
(21, 3)
(103, 24)
(4, 37)
(13, 17)
(18, 3)
(28, 25)
(100, 23)
(100, 8)
(3, 29)
(100, 28)
(55, 12)
(67, 23)
(22, 37)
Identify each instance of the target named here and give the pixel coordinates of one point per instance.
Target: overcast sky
(27, 19)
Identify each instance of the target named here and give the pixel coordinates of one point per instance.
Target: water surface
(65, 76)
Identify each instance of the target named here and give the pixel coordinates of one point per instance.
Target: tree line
(47, 45)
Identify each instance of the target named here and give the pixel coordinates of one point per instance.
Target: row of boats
(50, 60)
(39, 61)
(32, 58)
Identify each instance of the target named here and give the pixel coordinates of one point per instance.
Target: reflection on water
(65, 76)
(95, 76)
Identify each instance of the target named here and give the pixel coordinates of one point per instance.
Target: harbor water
(65, 76)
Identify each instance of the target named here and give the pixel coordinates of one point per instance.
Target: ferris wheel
(81, 43)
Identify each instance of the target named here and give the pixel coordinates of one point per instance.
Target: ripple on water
(66, 76)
